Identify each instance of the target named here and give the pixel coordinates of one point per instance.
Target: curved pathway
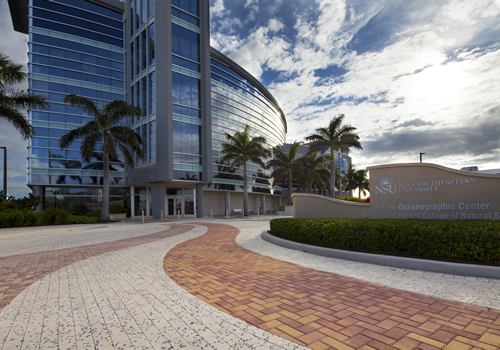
(17, 272)
(116, 295)
(319, 309)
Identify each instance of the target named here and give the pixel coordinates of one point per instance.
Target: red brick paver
(322, 310)
(20, 271)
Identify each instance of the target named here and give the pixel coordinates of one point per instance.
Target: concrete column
(158, 193)
(279, 201)
(199, 201)
(38, 191)
(228, 202)
(263, 203)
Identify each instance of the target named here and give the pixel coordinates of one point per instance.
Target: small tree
(105, 128)
(313, 171)
(241, 148)
(334, 137)
(12, 100)
(358, 179)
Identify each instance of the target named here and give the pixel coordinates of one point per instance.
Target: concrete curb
(393, 261)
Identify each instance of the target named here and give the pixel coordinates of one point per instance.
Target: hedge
(51, 216)
(470, 240)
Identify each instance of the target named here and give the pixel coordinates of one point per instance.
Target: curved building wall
(238, 99)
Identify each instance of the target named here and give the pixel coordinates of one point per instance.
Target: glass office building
(75, 47)
(156, 55)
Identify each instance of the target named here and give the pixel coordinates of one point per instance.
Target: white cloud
(218, 9)
(261, 48)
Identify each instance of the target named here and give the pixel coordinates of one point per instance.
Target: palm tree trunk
(105, 188)
(245, 190)
(290, 189)
(332, 175)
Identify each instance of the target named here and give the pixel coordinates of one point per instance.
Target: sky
(411, 76)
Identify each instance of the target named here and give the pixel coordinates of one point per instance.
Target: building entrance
(181, 201)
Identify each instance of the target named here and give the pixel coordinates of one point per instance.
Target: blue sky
(412, 76)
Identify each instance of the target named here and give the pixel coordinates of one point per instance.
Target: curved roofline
(235, 66)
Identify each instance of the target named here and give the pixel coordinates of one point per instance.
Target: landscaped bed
(466, 241)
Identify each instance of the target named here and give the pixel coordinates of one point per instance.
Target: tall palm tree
(241, 148)
(313, 171)
(12, 100)
(105, 128)
(286, 165)
(334, 137)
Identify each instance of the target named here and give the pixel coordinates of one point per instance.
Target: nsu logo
(386, 189)
(386, 185)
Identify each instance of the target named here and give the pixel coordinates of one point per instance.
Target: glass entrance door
(180, 200)
(174, 206)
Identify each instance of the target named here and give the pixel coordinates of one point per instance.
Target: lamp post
(4, 170)
(421, 157)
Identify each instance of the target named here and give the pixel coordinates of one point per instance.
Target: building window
(186, 138)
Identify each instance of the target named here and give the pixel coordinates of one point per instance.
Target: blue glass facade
(75, 47)
(236, 102)
(143, 76)
(189, 94)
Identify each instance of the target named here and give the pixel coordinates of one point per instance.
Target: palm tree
(11, 100)
(335, 136)
(241, 148)
(363, 182)
(358, 179)
(286, 165)
(105, 128)
(313, 171)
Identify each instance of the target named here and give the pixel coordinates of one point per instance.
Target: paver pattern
(464, 289)
(18, 272)
(319, 309)
(124, 300)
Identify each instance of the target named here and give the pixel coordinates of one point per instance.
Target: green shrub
(473, 240)
(30, 202)
(353, 199)
(83, 219)
(17, 218)
(51, 216)
(118, 209)
(54, 216)
(94, 214)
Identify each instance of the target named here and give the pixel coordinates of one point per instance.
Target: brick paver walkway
(319, 309)
(20, 271)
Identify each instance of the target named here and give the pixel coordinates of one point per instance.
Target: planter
(288, 210)
(117, 217)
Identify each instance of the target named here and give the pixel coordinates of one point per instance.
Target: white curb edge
(388, 260)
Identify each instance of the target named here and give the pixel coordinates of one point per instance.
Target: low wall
(413, 191)
(310, 206)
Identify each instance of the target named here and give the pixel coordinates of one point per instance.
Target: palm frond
(82, 131)
(86, 104)
(87, 149)
(19, 121)
(118, 110)
(23, 99)
(10, 72)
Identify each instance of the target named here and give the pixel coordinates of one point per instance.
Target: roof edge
(114, 5)
(19, 12)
